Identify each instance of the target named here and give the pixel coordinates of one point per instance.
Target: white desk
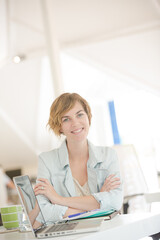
(130, 226)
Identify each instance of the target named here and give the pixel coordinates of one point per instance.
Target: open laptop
(30, 203)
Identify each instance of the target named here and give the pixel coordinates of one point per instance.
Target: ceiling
(120, 37)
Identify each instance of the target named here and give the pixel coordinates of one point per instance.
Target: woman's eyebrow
(75, 114)
(79, 111)
(65, 116)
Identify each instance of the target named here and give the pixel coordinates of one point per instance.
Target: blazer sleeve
(51, 212)
(114, 198)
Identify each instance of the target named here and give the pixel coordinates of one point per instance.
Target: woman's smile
(77, 131)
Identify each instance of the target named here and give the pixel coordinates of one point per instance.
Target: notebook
(66, 227)
(96, 213)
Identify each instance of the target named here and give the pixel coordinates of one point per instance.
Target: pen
(77, 214)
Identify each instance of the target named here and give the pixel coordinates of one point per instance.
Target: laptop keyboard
(61, 227)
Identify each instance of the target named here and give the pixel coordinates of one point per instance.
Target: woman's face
(75, 123)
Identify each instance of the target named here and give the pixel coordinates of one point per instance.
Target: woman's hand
(45, 188)
(110, 183)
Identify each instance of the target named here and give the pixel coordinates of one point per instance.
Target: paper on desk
(90, 214)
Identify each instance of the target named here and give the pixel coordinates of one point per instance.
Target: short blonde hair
(61, 105)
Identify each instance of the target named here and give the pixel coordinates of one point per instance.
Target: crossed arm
(74, 204)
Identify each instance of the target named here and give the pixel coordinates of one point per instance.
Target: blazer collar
(95, 155)
(63, 154)
(64, 161)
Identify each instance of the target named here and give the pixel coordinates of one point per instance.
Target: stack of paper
(92, 214)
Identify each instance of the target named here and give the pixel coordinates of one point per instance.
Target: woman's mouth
(77, 131)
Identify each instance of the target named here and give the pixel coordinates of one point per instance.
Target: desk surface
(129, 226)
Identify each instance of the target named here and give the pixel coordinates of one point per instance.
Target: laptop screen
(28, 199)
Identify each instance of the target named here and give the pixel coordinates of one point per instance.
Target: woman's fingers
(44, 180)
(111, 176)
(115, 184)
(40, 184)
(111, 183)
(111, 180)
(43, 183)
(40, 188)
(115, 179)
(112, 186)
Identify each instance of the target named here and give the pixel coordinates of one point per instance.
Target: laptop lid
(28, 200)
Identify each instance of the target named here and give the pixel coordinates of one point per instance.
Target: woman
(78, 176)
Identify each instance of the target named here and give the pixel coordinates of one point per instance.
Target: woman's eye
(80, 114)
(65, 120)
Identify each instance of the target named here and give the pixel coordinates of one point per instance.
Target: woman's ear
(60, 131)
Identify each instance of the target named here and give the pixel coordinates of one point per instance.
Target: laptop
(30, 203)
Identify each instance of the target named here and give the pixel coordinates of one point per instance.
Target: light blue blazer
(54, 165)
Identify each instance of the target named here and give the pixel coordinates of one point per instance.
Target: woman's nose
(74, 121)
